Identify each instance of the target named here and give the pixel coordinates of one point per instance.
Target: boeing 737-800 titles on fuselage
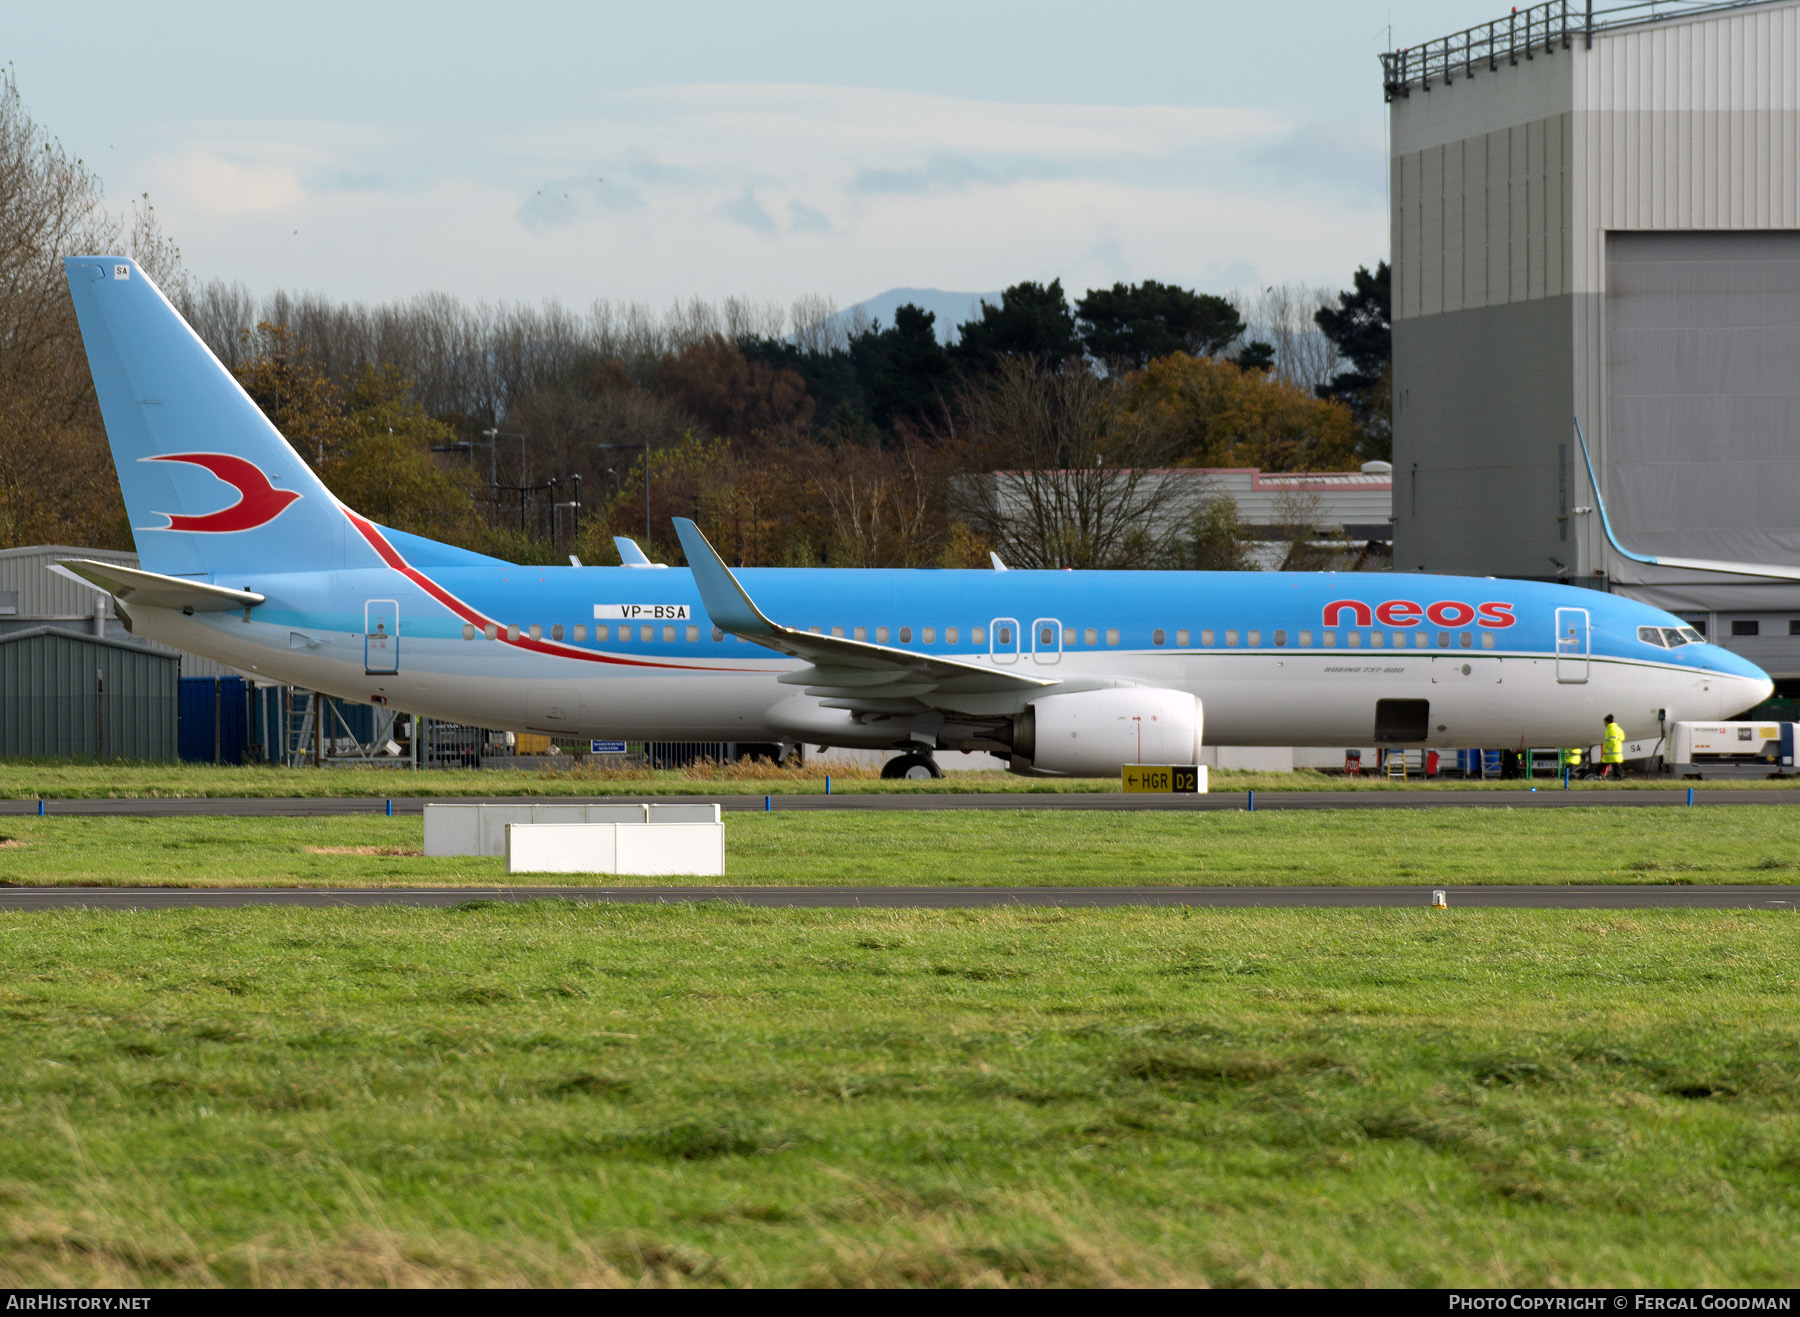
(247, 558)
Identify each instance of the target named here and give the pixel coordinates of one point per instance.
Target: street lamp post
(627, 447)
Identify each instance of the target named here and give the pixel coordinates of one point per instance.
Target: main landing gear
(912, 768)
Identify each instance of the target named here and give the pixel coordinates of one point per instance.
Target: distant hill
(951, 309)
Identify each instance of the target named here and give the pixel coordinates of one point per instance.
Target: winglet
(629, 553)
(995, 559)
(725, 601)
(1600, 503)
(1764, 570)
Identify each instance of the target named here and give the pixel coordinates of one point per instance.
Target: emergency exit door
(381, 636)
(1571, 646)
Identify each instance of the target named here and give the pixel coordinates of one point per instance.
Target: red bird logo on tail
(258, 502)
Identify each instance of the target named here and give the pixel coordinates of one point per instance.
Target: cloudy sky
(577, 150)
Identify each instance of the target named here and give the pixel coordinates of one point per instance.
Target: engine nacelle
(1095, 733)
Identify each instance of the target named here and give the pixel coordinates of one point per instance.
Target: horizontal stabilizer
(130, 585)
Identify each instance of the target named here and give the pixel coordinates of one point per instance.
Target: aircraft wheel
(911, 768)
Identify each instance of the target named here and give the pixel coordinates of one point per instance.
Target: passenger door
(1572, 638)
(381, 636)
(1046, 640)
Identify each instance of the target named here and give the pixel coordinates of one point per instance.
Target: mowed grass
(73, 780)
(557, 1093)
(976, 848)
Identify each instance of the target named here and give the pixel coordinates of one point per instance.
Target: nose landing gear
(914, 767)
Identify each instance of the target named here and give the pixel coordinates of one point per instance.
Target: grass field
(66, 780)
(1714, 844)
(555, 1093)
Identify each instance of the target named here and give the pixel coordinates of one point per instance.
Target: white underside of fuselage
(1250, 697)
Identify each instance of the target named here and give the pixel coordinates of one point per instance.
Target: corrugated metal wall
(1505, 188)
(70, 696)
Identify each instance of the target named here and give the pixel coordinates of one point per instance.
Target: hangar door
(1702, 451)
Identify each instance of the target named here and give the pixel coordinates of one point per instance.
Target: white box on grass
(635, 849)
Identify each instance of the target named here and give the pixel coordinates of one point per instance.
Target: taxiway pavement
(1546, 797)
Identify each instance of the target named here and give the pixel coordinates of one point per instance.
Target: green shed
(65, 694)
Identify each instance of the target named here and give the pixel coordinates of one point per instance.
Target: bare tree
(815, 324)
(1282, 316)
(1074, 481)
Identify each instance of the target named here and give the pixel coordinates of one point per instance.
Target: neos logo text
(1403, 612)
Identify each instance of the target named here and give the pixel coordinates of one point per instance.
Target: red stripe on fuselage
(391, 556)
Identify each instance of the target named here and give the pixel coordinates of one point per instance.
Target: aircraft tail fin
(211, 487)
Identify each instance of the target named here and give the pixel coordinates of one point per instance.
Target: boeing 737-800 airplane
(248, 559)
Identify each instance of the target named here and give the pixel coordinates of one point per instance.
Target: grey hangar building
(1596, 217)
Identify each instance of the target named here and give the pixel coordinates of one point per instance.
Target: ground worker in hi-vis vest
(1572, 759)
(1612, 749)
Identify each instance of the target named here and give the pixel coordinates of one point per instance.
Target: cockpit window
(1692, 636)
(1673, 638)
(1651, 635)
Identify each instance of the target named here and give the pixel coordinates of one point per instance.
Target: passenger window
(1206, 637)
(646, 634)
(1327, 639)
(1157, 636)
(1443, 640)
(1467, 639)
(1421, 640)
(815, 630)
(1112, 635)
(468, 631)
(1230, 638)
(491, 631)
(512, 633)
(1181, 639)
(978, 636)
(906, 635)
(930, 635)
(1253, 639)
(881, 635)
(1487, 639)
(949, 635)
(603, 632)
(1376, 640)
(1399, 640)
(1280, 639)
(668, 635)
(556, 631)
(861, 633)
(1090, 637)
(580, 632)
(1046, 635)
(1068, 635)
(718, 635)
(838, 631)
(693, 634)
(1353, 639)
(537, 632)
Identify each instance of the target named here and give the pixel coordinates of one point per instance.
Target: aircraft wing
(133, 585)
(845, 674)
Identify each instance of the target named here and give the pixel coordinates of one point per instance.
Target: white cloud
(770, 192)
